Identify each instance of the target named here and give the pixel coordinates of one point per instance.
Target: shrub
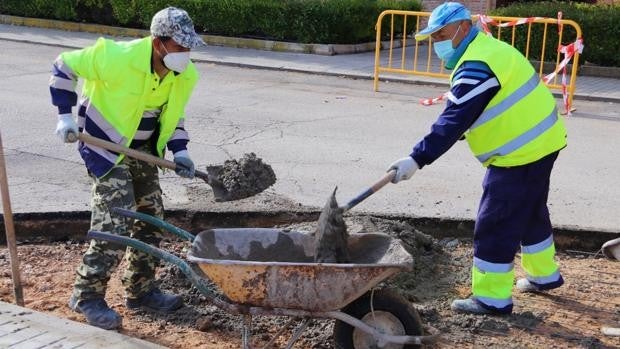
(305, 21)
(60, 9)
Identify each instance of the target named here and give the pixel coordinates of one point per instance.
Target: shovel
(387, 178)
(219, 190)
(331, 235)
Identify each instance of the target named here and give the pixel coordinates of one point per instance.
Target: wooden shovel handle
(387, 178)
(136, 154)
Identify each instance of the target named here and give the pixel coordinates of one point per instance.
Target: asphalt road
(316, 131)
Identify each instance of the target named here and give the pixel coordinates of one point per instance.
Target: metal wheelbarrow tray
(272, 272)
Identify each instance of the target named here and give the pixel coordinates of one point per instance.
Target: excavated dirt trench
(51, 245)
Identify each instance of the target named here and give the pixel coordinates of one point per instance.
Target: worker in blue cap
(509, 118)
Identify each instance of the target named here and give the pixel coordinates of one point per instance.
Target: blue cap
(442, 15)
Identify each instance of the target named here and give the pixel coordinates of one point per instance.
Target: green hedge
(305, 21)
(600, 26)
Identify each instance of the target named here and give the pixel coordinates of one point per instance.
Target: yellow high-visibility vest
(116, 80)
(520, 125)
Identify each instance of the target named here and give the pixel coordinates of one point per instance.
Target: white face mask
(176, 61)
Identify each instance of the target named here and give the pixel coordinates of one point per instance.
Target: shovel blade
(219, 189)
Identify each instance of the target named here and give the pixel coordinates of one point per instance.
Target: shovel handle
(387, 178)
(136, 154)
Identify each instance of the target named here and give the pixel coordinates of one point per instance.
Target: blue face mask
(444, 49)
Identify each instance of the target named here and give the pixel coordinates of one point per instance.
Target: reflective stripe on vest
(511, 100)
(94, 115)
(523, 139)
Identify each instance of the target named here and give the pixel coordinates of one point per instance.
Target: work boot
(470, 306)
(156, 300)
(97, 312)
(524, 285)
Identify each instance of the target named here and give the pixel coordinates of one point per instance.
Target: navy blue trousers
(513, 210)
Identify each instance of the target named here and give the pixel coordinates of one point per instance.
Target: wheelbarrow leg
(300, 329)
(247, 331)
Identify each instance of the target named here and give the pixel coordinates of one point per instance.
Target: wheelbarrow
(270, 272)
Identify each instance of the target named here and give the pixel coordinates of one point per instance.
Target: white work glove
(66, 125)
(185, 165)
(405, 168)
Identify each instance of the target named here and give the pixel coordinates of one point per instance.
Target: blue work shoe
(97, 312)
(524, 285)
(156, 300)
(470, 306)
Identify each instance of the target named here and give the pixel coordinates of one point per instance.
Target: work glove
(185, 165)
(405, 168)
(65, 126)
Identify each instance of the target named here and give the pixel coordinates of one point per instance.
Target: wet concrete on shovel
(245, 177)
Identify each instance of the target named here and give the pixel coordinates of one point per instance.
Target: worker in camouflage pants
(134, 94)
(133, 185)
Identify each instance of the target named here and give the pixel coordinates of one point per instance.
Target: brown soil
(570, 317)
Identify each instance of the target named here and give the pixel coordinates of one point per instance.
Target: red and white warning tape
(568, 51)
(485, 20)
(431, 101)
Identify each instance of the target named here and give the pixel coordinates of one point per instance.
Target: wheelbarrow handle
(159, 223)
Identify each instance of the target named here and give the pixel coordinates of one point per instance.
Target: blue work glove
(405, 168)
(185, 165)
(65, 126)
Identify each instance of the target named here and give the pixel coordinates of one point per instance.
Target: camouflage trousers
(133, 185)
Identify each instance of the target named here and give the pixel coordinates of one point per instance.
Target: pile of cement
(245, 177)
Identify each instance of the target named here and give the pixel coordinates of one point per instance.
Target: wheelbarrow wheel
(393, 314)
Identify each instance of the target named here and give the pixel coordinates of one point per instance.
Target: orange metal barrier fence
(404, 55)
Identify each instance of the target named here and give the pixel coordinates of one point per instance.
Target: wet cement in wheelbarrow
(330, 236)
(245, 177)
